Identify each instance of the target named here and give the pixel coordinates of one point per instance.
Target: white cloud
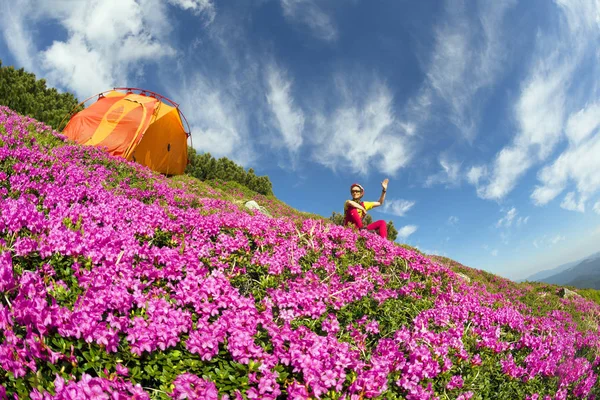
(309, 13)
(597, 207)
(522, 221)
(409, 127)
(507, 220)
(557, 238)
(235, 98)
(467, 57)
(397, 207)
(578, 163)
(452, 220)
(583, 123)
(449, 175)
(17, 37)
(540, 110)
(542, 106)
(110, 38)
(510, 164)
(288, 118)
(570, 203)
(74, 65)
(494, 252)
(406, 231)
(511, 219)
(547, 241)
(218, 123)
(108, 42)
(198, 7)
(362, 132)
(476, 173)
(553, 185)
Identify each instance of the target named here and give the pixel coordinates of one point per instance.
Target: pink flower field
(118, 283)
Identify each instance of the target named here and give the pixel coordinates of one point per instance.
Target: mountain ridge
(547, 273)
(583, 275)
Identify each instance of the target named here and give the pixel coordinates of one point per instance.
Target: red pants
(352, 217)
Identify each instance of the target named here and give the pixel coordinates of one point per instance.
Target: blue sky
(485, 115)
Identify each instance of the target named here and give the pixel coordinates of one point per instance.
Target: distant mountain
(539, 276)
(584, 275)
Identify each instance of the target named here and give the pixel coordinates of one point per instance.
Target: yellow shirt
(366, 204)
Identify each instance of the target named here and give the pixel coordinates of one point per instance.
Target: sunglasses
(356, 191)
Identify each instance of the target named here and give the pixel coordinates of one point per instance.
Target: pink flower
(456, 382)
(122, 370)
(135, 262)
(331, 324)
(188, 386)
(7, 281)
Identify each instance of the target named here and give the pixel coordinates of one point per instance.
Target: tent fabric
(136, 127)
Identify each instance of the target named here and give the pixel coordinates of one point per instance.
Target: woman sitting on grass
(355, 209)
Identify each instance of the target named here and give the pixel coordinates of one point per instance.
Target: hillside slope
(119, 283)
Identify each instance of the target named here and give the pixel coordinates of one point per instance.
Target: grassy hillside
(238, 195)
(119, 283)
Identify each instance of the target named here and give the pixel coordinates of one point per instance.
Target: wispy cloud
(468, 56)
(583, 123)
(309, 13)
(556, 239)
(546, 241)
(507, 220)
(198, 7)
(578, 163)
(406, 231)
(17, 37)
(361, 133)
(597, 207)
(572, 204)
(476, 173)
(107, 45)
(542, 106)
(289, 119)
(452, 220)
(358, 131)
(449, 174)
(397, 207)
(510, 219)
(522, 220)
(540, 115)
(494, 253)
(219, 126)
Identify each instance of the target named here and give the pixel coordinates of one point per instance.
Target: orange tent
(137, 125)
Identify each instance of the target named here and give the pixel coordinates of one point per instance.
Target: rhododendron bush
(117, 284)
